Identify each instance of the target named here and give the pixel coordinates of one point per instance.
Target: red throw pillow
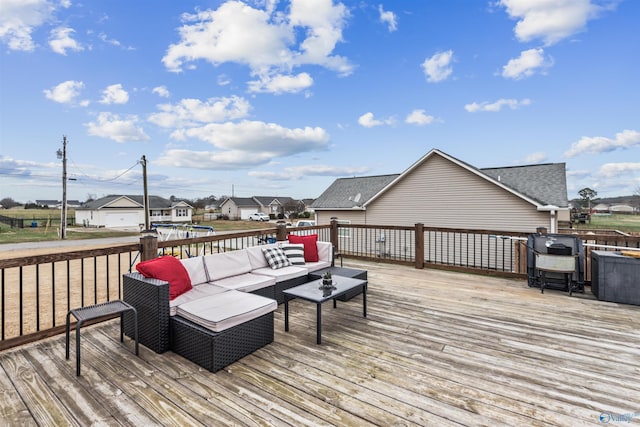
(169, 269)
(310, 247)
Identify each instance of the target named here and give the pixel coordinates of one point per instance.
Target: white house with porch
(121, 211)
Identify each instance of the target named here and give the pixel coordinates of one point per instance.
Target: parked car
(305, 223)
(258, 216)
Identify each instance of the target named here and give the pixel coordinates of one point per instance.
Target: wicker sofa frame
(161, 332)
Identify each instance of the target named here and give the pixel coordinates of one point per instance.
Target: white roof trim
(475, 171)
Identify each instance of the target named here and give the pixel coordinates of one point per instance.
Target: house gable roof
(546, 183)
(111, 202)
(350, 193)
(541, 185)
(267, 200)
(241, 202)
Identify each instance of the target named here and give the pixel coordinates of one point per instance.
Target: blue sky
(280, 98)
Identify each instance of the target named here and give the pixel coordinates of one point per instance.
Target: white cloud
(526, 64)
(551, 20)
(299, 172)
(257, 136)
(388, 18)
(65, 92)
(368, 120)
(212, 160)
(418, 117)
(244, 144)
(192, 112)
(281, 83)
(437, 68)
(223, 80)
(109, 125)
(114, 94)
(264, 40)
(60, 40)
(611, 170)
(537, 157)
(19, 18)
(600, 144)
(496, 106)
(161, 91)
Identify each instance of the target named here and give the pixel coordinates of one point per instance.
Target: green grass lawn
(624, 223)
(48, 221)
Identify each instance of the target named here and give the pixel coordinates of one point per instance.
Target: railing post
(148, 247)
(333, 234)
(281, 233)
(419, 246)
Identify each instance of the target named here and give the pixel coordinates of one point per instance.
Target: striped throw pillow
(295, 253)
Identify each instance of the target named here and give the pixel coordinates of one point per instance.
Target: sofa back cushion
(169, 269)
(256, 256)
(196, 270)
(227, 264)
(325, 251)
(310, 247)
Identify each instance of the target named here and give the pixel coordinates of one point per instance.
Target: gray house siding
(323, 217)
(440, 193)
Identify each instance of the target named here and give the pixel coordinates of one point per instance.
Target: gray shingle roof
(545, 183)
(244, 201)
(346, 193)
(267, 200)
(155, 202)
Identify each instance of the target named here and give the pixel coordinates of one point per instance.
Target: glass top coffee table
(311, 292)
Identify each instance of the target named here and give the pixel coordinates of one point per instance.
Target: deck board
(436, 348)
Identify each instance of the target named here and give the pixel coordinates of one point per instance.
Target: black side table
(95, 311)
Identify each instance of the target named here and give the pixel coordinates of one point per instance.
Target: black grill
(566, 272)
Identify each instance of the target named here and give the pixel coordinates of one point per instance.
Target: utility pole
(143, 162)
(62, 154)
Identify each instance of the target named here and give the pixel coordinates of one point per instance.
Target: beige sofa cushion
(195, 293)
(313, 266)
(256, 256)
(282, 274)
(196, 270)
(247, 282)
(227, 264)
(226, 310)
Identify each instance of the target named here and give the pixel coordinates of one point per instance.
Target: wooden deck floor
(437, 348)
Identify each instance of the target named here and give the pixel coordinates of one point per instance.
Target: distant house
(274, 205)
(51, 204)
(601, 208)
(242, 207)
(621, 209)
(239, 207)
(57, 204)
(119, 211)
(442, 191)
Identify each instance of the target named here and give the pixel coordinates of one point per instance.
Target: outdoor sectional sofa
(228, 311)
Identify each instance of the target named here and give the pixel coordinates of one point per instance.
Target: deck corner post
(148, 247)
(281, 233)
(333, 234)
(419, 246)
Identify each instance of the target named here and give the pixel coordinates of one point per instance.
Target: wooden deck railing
(36, 292)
